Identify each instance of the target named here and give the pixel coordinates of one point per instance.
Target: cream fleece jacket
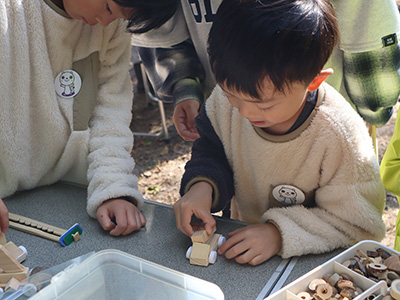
(37, 143)
(329, 158)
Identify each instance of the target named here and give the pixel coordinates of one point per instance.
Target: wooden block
(12, 285)
(6, 277)
(201, 236)
(9, 264)
(213, 241)
(199, 255)
(17, 253)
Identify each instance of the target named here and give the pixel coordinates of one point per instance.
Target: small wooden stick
(56, 234)
(34, 231)
(76, 236)
(23, 220)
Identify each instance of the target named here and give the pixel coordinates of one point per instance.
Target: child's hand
(184, 114)
(197, 201)
(252, 244)
(128, 217)
(3, 217)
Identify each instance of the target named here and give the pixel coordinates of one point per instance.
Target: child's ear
(319, 79)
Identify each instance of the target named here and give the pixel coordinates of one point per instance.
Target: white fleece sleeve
(111, 140)
(350, 199)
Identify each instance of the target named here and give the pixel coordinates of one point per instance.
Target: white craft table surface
(63, 205)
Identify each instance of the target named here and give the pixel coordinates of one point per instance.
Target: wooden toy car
(204, 248)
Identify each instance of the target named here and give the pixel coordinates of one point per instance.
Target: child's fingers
(185, 225)
(236, 231)
(122, 223)
(229, 243)
(258, 259)
(251, 257)
(128, 220)
(237, 250)
(182, 219)
(246, 256)
(187, 135)
(210, 227)
(236, 247)
(138, 223)
(4, 223)
(208, 220)
(142, 219)
(120, 217)
(105, 222)
(136, 220)
(244, 253)
(135, 223)
(104, 217)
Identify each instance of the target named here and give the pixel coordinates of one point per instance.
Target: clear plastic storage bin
(113, 274)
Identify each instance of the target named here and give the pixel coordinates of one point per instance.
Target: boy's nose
(104, 20)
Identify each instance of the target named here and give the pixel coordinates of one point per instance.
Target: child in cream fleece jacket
(283, 149)
(66, 101)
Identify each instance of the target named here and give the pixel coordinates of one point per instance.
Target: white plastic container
(334, 265)
(113, 274)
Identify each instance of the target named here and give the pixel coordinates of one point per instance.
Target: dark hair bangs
(285, 42)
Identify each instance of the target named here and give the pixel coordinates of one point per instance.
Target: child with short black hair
(66, 100)
(283, 149)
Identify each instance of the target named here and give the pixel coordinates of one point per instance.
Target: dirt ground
(160, 164)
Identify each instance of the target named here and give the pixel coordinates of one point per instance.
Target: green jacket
(390, 173)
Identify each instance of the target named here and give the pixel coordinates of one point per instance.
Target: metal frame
(151, 97)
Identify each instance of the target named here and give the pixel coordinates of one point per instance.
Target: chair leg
(164, 130)
(163, 119)
(151, 97)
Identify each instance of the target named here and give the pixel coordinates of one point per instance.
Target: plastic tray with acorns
(358, 273)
